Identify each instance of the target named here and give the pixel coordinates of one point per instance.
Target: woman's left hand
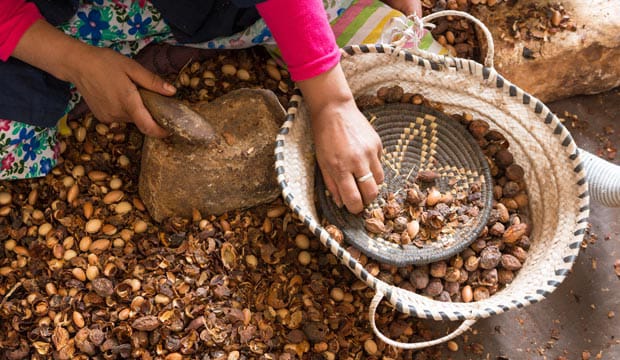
(348, 149)
(407, 7)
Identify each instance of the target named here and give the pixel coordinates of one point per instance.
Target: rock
(585, 61)
(231, 170)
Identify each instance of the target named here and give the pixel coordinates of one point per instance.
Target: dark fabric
(194, 21)
(28, 94)
(56, 11)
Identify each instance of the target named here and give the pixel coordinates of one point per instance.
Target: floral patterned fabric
(126, 26)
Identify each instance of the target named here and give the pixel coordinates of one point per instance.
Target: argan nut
(514, 172)
(514, 233)
(490, 257)
(413, 227)
(478, 128)
(229, 69)
(433, 197)
(438, 269)
(504, 158)
(302, 241)
(467, 294)
(510, 262)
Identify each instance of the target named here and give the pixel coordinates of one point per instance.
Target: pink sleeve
(302, 32)
(16, 16)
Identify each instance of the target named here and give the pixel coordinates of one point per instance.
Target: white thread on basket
(398, 32)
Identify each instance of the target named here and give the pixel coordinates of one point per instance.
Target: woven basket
(554, 173)
(418, 138)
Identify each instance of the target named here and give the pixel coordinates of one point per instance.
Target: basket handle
(411, 346)
(414, 31)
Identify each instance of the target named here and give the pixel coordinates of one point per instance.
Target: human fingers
(367, 186)
(148, 80)
(141, 116)
(332, 187)
(350, 193)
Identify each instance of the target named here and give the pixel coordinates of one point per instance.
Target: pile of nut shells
(251, 68)
(420, 212)
(537, 22)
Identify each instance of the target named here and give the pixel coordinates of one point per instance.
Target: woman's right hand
(107, 80)
(109, 83)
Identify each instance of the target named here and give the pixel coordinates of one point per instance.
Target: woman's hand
(106, 79)
(347, 147)
(407, 7)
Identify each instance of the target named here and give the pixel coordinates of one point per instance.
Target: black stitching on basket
(364, 49)
(459, 316)
(584, 208)
(584, 194)
(283, 184)
(380, 48)
(573, 156)
(485, 73)
(558, 129)
(279, 156)
(399, 306)
(562, 272)
(518, 304)
(503, 307)
(579, 167)
(553, 283)
(428, 314)
(408, 57)
(532, 300)
(581, 221)
(512, 90)
(548, 118)
(569, 258)
(280, 170)
(538, 108)
(288, 198)
(490, 311)
(340, 253)
(363, 274)
(283, 131)
(567, 140)
(434, 65)
(420, 61)
(575, 244)
(499, 82)
(581, 181)
(292, 104)
(444, 316)
(279, 143)
(470, 69)
(349, 50)
(526, 99)
(542, 292)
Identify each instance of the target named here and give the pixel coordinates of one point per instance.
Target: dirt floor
(580, 320)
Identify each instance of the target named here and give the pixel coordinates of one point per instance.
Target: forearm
(326, 90)
(47, 48)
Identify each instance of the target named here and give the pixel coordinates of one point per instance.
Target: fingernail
(168, 87)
